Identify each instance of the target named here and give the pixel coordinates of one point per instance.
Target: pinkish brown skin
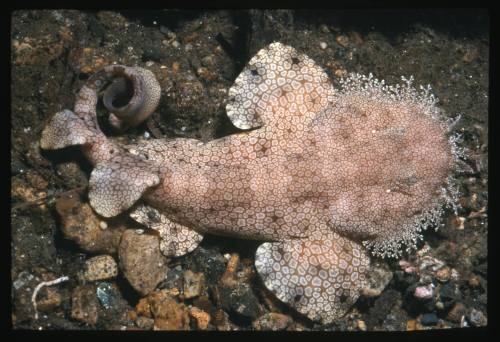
(324, 172)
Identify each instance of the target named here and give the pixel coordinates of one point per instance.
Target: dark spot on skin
(345, 250)
(343, 298)
(412, 180)
(295, 60)
(152, 216)
(254, 72)
(111, 151)
(274, 218)
(297, 298)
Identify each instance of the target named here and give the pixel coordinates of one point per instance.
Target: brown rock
(443, 274)
(201, 318)
(100, 268)
(477, 318)
(204, 303)
(193, 284)
(141, 261)
(25, 192)
(272, 321)
(221, 320)
(48, 299)
(37, 181)
(132, 315)
(474, 281)
(342, 40)
(145, 323)
(167, 313)
(228, 278)
(456, 313)
(361, 325)
(143, 308)
(84, 304)
(411, 325)
(81, 225)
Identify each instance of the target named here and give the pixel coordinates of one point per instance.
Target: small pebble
(323, 28)
(429, 319)
(167, 313)
(141, 261)
(201, 318)
(456, 313)
(378, 279)
(474, 281)
(323, 45)
(84, 304)
(50, 300)
(103, 225)
(100, 268)
(361, 325)
(458, 222)
(424, 292)
(193, 284)
(145, 322)
(443, 274)
(342, 40)
(108, 295)
(272, 321)
(477, 318)
(411, 325)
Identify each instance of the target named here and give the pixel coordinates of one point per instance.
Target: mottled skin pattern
(323, 172)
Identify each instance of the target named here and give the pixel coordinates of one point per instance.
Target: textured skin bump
(175, 239)
(320, 276)
(324, 174)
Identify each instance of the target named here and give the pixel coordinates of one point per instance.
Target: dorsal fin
(278, 84)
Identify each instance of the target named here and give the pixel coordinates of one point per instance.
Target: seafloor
(196, 55)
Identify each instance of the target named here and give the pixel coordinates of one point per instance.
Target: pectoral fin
(115, 185)
(320, 278)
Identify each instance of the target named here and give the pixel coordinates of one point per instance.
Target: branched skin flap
(324, 174)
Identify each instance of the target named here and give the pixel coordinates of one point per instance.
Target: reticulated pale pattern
(323, 174)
